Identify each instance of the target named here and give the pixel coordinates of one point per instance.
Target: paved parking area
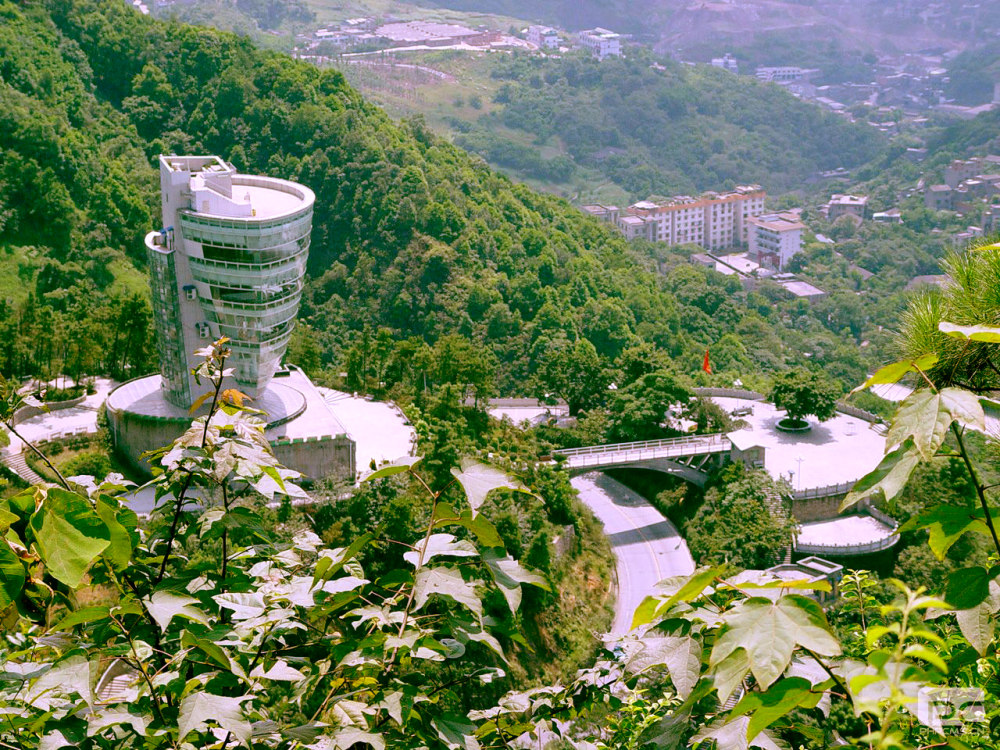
(842, 449)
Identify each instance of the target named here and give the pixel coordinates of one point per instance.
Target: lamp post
(799, 460)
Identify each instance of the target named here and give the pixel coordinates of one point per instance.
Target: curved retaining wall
(728, 393)
(27, 412)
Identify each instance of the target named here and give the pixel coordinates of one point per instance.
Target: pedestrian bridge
(689, 457)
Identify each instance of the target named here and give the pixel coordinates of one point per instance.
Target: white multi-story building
(775, 239)
(543, 37)
(784, 73)
(229, 262)
(601, 42)
(726, 62)
(713, 220)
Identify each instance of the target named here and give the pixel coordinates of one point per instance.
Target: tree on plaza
(801, 392)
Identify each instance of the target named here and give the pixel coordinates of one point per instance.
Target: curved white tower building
(229, 261)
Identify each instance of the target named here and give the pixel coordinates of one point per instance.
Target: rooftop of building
(420, 31)
(848, 200)
(839, 450)
(940, 188)
(799, 288)
(655, 202)
(843, 530)
(781, 222)
(600, 33)
(735, 263)
(219, 191)
(938, 280)
(291, 403)
(632, 220)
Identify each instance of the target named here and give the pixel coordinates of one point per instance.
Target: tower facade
(229, 261)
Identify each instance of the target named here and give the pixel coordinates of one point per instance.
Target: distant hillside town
(365, 34)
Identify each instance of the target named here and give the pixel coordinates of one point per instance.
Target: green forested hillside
(662, 127)
(76, 196)
(411, 234)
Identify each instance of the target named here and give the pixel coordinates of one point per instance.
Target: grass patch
(129, 280)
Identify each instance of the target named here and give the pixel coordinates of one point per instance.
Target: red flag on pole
(706, 365)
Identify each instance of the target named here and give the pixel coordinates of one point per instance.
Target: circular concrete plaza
(841, 449)
(144, 397)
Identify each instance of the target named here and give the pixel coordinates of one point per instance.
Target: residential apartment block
(775, 239)
(601, 42)
(543, 37)
(726, 62)
(961, 170)
(844, 205)
(713, 220)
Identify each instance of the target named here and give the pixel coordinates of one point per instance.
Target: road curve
(647, 547)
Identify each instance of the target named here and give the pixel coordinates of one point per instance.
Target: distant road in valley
(647, 547)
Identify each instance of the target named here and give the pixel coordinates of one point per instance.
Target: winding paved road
(647, 547)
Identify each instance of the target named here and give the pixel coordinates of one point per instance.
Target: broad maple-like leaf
(771, 631)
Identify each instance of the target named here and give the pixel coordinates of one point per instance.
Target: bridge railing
(854, 411)
(830, 490)
(844, 550)
(717, 441)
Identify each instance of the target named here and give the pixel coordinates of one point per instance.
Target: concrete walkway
(647, 547)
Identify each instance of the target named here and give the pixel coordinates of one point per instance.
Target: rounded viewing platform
(143, 397)
(866, 534)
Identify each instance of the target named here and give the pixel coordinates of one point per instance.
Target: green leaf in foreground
(889, 477)
(198, 709)
(926, 416)
(892, 373)
(509, 575)
(69, 534)
(770, 632)
(969, 587)
(398, 466)
(981, 333)
(946, 524)
(479, 480)
(163, 606)
(691, 588)
(438, 544)
(446, 582)
(978, 623)
(782, 697)
(12, 576)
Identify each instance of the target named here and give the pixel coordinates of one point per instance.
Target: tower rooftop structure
(229, 261)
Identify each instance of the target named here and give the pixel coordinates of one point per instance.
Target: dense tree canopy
(801, 392)
(659, 127)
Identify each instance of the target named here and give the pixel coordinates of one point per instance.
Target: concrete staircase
(332, 397)
(17, 463)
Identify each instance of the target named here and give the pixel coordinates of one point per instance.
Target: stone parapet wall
(27, 412)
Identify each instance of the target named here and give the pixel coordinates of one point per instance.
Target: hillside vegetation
(663, 127)
(411, 234)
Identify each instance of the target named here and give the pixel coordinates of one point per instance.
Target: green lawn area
(17, 270)
(85, 454)
(19, 263)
